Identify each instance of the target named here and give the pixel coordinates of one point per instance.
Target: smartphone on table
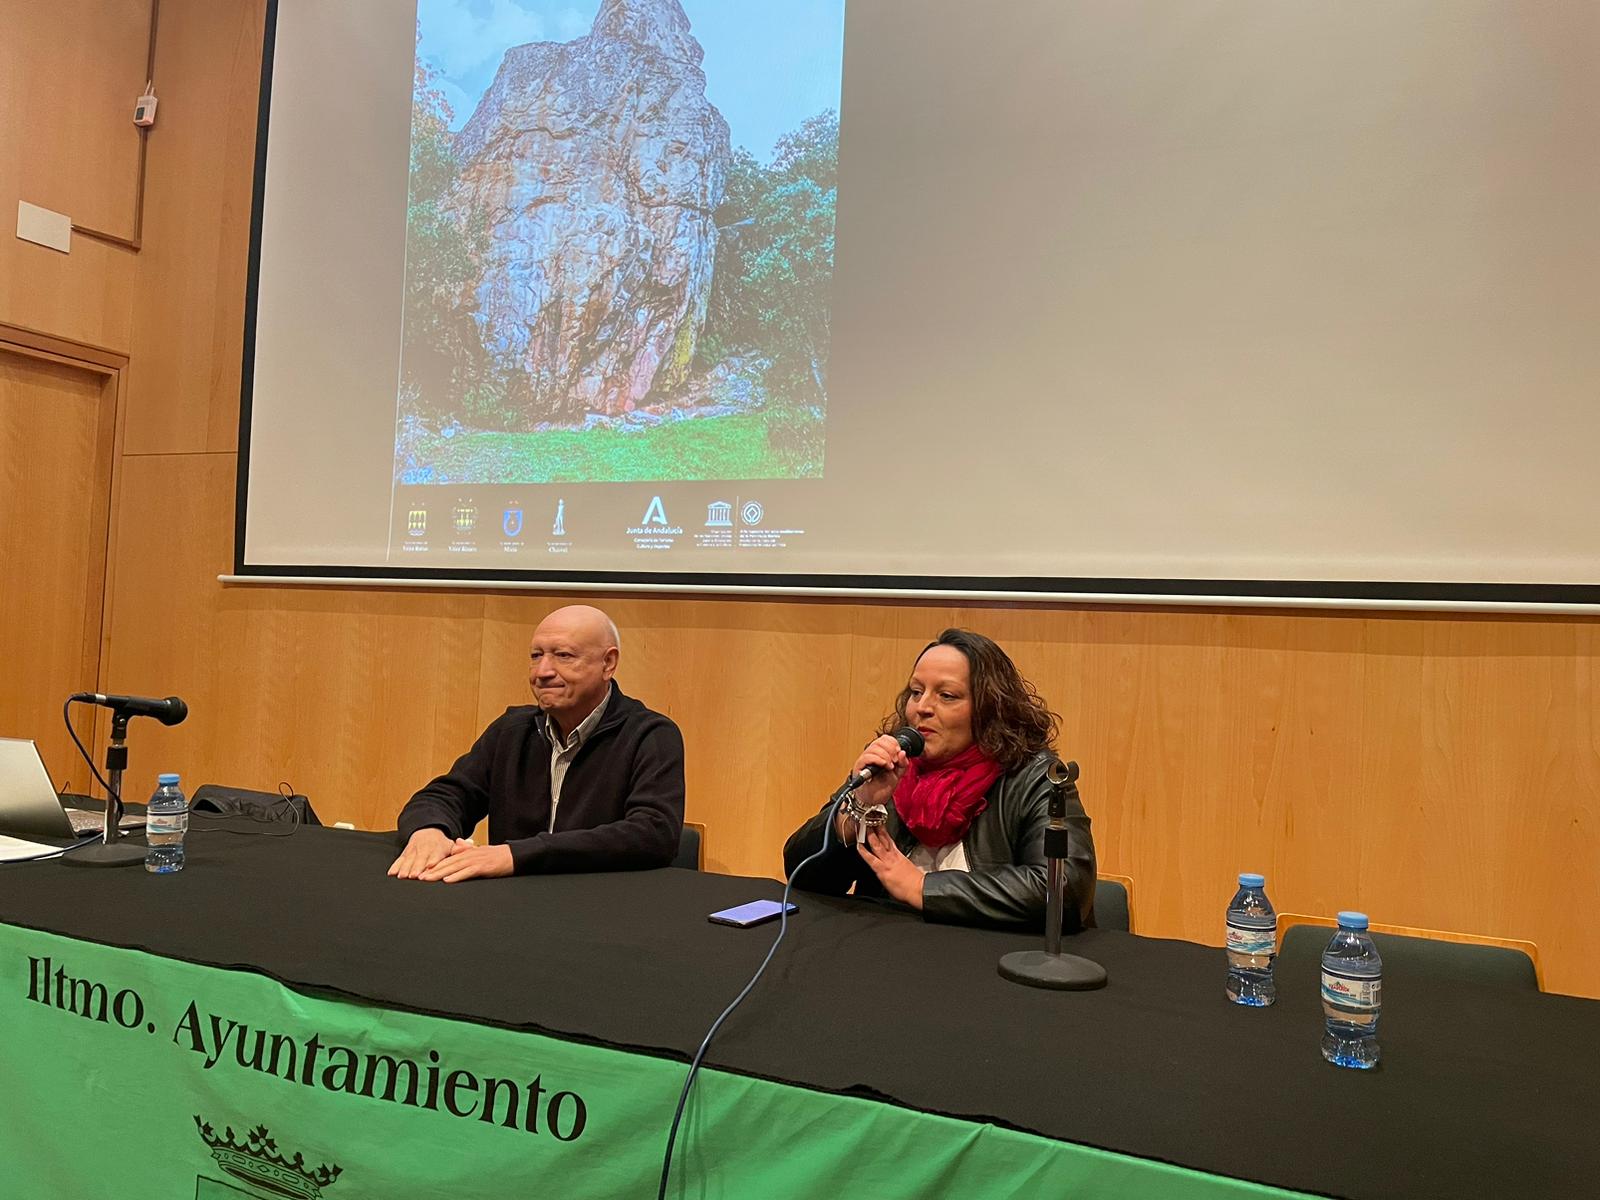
(757, 912)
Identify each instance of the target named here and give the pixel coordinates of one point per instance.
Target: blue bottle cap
(167, 777)
(1352, 920)
(1250, 880)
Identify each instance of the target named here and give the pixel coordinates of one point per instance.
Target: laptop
(29, 805)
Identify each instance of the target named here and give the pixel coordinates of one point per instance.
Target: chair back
(1113, 903)
(691, 850)
(1440, 955)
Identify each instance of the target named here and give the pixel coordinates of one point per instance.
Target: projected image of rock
(619, 256)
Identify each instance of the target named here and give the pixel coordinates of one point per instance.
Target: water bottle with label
(1352, 995)
(1252, 944)
(166, 821)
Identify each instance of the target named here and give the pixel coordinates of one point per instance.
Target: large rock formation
(597, 165)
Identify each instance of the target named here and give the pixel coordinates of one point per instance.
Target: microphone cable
(783, 928)
(286, 793)
(66, 717)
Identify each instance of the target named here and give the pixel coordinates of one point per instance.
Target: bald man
(587, 779)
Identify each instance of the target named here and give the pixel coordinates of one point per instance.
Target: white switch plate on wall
(52, 229)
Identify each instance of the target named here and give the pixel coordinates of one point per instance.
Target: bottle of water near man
(1352, 995)
(166, 821)
(1252, 942)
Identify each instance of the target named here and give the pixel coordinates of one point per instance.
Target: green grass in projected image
(740, 446)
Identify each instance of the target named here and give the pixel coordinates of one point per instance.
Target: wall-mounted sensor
(144, 109)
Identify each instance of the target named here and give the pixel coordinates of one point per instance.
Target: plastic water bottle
(1252, 943)
(1352, 995)
(166, 821)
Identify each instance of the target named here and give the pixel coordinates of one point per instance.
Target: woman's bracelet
(866, 816)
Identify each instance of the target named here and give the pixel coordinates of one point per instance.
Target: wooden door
(57, 420)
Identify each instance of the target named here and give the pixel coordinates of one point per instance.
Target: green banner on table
(136, 1077)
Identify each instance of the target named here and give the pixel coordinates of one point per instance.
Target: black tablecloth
(1481, 1092)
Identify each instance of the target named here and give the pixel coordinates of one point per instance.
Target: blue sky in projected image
(769, 64)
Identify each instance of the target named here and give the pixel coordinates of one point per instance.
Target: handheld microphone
(910, 741)
(170, 711)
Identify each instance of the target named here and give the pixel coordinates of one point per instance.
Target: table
(528, 1036)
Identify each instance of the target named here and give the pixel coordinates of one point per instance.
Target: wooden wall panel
(1436, 771)
(69, 74)
(85, 296)
(189, 316)
(79, 66)
(54, 440)
(352, 697)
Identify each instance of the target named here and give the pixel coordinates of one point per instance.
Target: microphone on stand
(1049, 968)
(111, 850)
(170, 711)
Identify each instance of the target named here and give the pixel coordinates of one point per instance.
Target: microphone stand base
(99, 854)
(1060, 972)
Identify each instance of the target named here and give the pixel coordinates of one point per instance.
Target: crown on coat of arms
(256, 1160)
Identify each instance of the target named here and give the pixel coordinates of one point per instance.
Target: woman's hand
(894, 870)
(888, 762)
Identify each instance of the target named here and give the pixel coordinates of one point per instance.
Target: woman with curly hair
(963, 839)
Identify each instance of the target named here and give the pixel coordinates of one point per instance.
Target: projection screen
(1262, 298)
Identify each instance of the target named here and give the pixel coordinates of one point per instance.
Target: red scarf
(939, 804)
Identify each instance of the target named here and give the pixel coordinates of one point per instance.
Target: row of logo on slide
(463, 518)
